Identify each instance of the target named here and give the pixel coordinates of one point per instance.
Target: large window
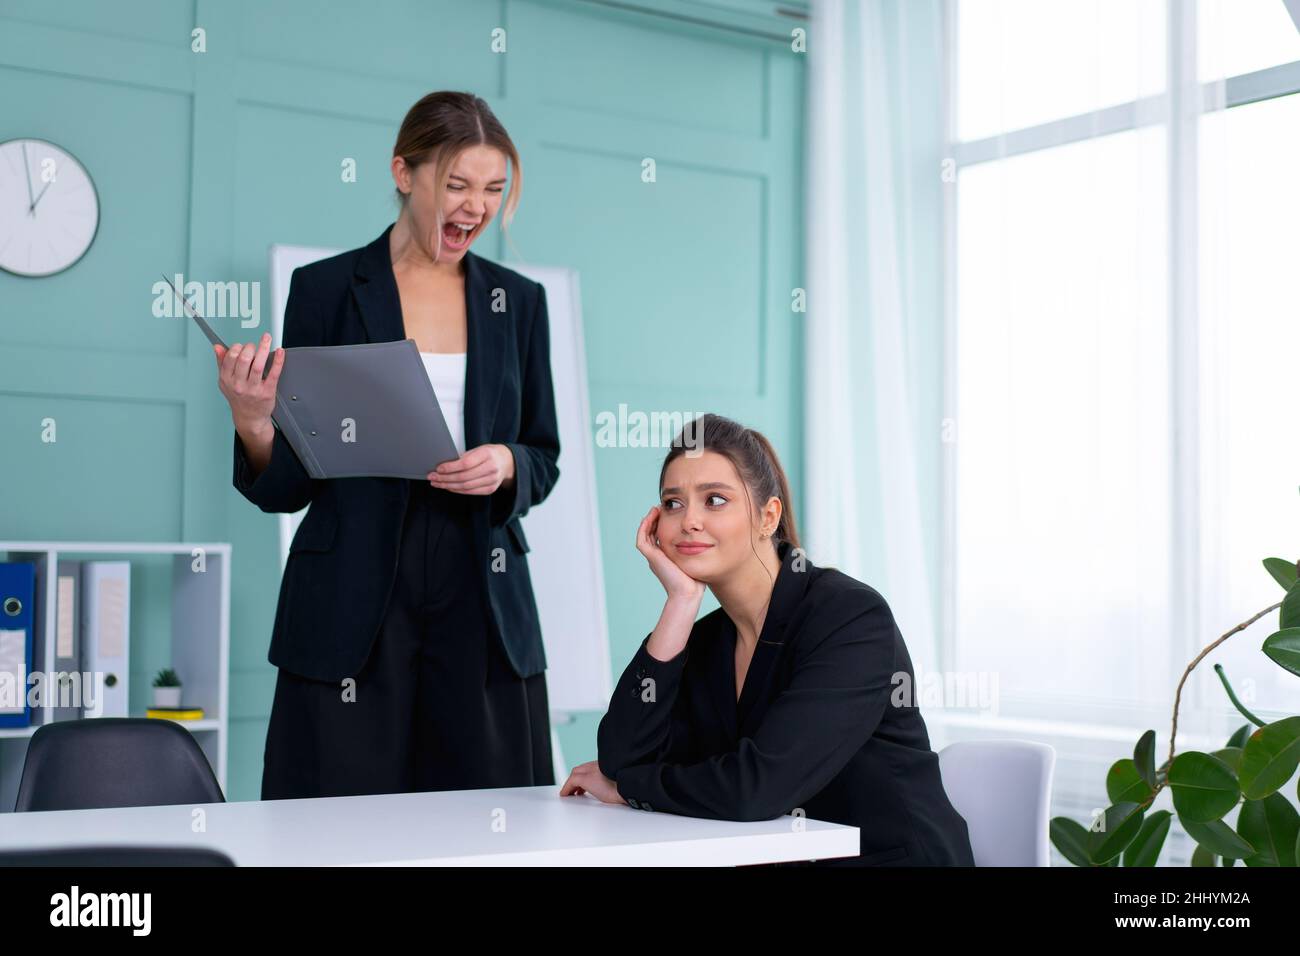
(1250, 369)
(1125, 329)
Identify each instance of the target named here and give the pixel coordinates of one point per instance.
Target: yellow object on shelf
(175, 713)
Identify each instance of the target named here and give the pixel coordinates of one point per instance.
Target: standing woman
(406, 633)
(787, 697)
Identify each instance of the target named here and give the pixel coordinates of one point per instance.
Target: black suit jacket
(815, 727)
(343, 558)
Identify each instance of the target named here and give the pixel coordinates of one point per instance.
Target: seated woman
(780, 700)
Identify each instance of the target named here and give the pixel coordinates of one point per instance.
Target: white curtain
(874, 316)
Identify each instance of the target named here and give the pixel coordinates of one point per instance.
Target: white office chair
(1003, 789)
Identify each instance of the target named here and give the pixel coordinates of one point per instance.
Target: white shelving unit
(200, 639)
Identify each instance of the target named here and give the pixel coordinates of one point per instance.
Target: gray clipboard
(356, 411)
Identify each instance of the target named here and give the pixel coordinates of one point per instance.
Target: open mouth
(457, 235)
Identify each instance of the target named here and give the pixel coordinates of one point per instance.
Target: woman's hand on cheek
(480, 471)
(587, 778)
(675, 581)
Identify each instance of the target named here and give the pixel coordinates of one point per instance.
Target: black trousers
(436, 706)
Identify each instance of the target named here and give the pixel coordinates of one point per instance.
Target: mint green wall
(203, 160)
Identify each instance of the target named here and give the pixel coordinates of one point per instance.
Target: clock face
(49, 210)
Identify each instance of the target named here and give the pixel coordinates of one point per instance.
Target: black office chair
(114, 762)
(116, 856)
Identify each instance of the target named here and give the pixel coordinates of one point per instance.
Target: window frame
(1182, 132)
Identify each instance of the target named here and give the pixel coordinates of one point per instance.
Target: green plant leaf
(1202, 857)
(1272, 825)
(1290, 616)
(1124, 781)
(1270, 757)
(1283, 649)
(1229, 755)
(1240, 736)
(1146, 846)
(1283, 571)
(1218, 838)
(1071, 839)
(1144, 756)
(1227, 861)
(1119, 825)
(1204, 787)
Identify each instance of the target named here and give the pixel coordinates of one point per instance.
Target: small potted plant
(167, 689)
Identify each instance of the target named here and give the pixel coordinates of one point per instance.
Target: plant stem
(1218, 669)
(1178, 696)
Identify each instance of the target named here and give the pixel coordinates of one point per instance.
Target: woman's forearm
(638, 727)
(674, 627)
(257, 443)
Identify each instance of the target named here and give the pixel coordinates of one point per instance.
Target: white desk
(521, 826)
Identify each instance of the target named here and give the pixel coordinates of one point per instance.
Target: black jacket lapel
(375, 291)
(787, 593)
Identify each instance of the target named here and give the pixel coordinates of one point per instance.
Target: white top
(439, 827)
(446, 371)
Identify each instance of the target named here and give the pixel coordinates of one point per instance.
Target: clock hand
(27, 174)
(32, 208)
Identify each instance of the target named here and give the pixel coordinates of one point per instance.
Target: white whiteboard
(563, 532)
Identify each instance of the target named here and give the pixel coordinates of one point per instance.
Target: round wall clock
(49, 209)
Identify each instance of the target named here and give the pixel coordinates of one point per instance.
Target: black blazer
(815, 727)
(343, 558)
